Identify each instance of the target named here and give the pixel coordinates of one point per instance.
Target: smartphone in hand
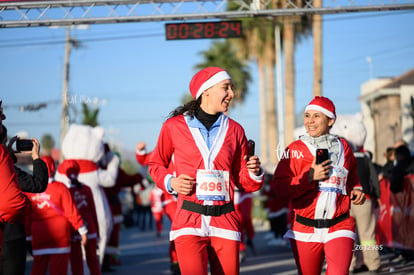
(321, 155)
(250, 148)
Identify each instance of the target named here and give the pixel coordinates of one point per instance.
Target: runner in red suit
(321, 193)
(157, 209)
(209, 152)
(169, 201)
(83, 198)
(243, 203)
(112, 193)
(278, 213)
(53, 214)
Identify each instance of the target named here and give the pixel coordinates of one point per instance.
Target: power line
(32, 106)
(90, 98)
(79, 34)
(62, 41)
(380, 53)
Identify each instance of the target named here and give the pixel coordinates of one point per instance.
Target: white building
(387, 106)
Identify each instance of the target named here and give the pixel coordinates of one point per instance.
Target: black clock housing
(200, 30)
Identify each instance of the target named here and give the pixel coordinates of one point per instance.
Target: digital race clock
(214, 29)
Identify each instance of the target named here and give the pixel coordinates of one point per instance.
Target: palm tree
(48, 143)
(317, 50)
(269, 63)
(223, 54)
(258, 45)
(294, 28)
(289, 54)
(90, 116)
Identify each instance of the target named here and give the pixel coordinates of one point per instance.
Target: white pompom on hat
(70, 168)
(207, 78)
(323, 105)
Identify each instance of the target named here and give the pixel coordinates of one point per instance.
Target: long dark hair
(191, 107)
(76, 183)
(3, 135)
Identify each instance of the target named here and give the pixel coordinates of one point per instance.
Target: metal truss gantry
(77, 12)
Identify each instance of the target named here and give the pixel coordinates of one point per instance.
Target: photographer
(13, 202)
(37, 182)
(13, 256)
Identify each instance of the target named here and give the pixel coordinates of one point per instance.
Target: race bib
(212, 185)
(336, 181)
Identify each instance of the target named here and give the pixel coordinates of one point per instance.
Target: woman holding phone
(318, 173)
(209, 153)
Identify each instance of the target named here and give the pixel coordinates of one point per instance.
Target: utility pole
(65, 92)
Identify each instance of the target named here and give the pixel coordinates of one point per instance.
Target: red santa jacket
(83, 199)
(309, 200)
(167, 198)
(53, 214)
(112, 193)
(275, 204)
(13, 202)
(142, 157)
(186, 148)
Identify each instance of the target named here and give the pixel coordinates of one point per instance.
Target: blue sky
(141, 77)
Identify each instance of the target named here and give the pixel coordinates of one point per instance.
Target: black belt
(208, 210)
(321, 223)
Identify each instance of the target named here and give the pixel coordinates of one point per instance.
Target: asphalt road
(146, 254)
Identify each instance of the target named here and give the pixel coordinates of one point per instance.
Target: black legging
(13, 254)
(278, 225)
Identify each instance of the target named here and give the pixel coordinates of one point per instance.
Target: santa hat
(71, 168)
(206, 78)
(50, 163)
(323, 105)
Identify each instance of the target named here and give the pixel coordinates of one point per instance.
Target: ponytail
(76, 183)
(190, 108)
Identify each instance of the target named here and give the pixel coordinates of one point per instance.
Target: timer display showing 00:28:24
(219, 29)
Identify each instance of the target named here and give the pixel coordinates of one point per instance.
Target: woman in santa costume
(53, 214)
(209, 153)
(83, 199)
(321, 193)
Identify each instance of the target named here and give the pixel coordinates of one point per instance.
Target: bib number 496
(211, 186)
